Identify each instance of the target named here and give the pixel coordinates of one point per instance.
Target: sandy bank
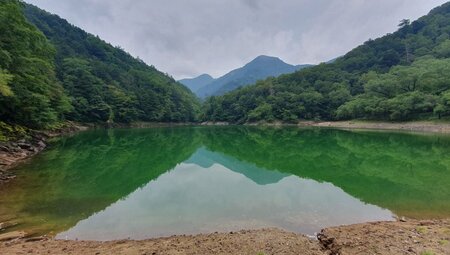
(431, 127)
(410, 237)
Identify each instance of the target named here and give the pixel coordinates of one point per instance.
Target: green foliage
(443, 49)
(405, 92)
(105, 83)
(5, 79)
(30, 93)
(61, 72)
(401, 76)
(8, 132)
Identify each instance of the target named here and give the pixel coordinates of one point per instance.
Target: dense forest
(401, 76)
(52, 71)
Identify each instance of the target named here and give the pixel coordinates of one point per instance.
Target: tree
(5, 79)
(404, 23)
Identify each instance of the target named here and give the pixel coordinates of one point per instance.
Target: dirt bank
(411, 237)
(17, 150)
(432, 127)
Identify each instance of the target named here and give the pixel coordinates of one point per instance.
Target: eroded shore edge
(396, 237)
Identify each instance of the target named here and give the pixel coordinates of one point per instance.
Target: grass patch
(427, 253)
(443, 242)
(445, 230)
(422, 230)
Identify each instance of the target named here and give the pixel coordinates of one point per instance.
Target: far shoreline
(14, 152)
(414, 126)
(439, 127)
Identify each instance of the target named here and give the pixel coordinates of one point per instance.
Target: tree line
(401, 76)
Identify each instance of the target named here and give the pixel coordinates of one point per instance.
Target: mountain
(105, 83)
(259, 68)
(198, 82)
(55, 71)
(400, 76)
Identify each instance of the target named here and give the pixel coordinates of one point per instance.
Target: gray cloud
(187, 38)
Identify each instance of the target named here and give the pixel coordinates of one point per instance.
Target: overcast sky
(186, 38)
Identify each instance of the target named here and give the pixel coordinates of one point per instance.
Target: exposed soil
(266, 241)
(410, 237)
(426, 126)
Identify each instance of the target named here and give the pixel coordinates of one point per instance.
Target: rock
(35, 239)
(4, 148)
(426, 222)
(12, 235)
(5, 225)
(41, 144)
(25, 146)
(402, 219)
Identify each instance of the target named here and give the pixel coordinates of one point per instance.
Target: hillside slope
(259, 68)
(30, 94)
(401, 76)
(106, 84)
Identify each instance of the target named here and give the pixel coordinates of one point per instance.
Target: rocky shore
(427, 237)
(17, 150)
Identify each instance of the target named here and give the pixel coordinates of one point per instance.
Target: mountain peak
(204, 76)
(259, 68)
(265, 58)
(198, 82)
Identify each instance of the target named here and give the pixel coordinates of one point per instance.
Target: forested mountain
(198, 82)
(258, 69)
(401, 76)
(113, 85)
(30, 93)
(51, 70)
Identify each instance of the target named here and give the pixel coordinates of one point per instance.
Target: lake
(143, 183)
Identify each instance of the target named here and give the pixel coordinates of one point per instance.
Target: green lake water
(142, 183)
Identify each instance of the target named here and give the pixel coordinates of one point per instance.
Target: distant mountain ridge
(259, 68)
(198, 82)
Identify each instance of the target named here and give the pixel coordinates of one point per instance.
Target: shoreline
(440, 127)
(415, 126)
(14, 152)
(391, 237)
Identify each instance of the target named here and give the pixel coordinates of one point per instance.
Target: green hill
(51, 70)
(401, 76)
